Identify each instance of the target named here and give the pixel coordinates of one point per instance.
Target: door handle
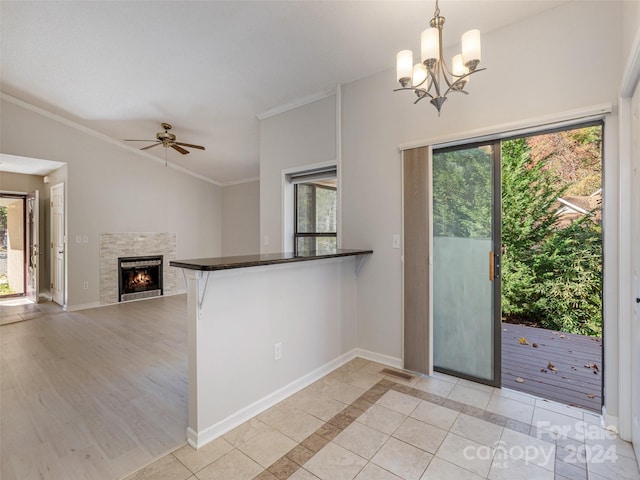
(60, 251)
(492, 267)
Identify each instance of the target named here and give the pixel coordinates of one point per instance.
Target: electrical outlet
(277, 351)
(85, 285)
(266, 240)
(78, 238)
(85, 239)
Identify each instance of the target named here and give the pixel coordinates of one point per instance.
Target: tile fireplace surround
(133, 244)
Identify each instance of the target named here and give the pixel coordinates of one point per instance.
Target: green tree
(462, 193)
(550, 276)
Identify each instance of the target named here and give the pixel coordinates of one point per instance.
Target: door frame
(32, 246)
(23, 197)
(560, 121)
(628, 401)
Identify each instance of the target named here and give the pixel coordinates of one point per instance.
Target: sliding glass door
(466, 261)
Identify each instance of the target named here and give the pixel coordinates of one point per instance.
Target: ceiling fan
(167, 140)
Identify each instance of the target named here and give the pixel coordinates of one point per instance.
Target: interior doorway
(12, 245)
(20, 245)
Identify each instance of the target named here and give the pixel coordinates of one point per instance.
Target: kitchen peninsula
(261, 327)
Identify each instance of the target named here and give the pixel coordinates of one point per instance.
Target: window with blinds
(315, 211)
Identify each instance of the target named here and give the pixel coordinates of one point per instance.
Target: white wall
(241, 219)
(111, 188)
(299, 137)
(557, 48)
(307, 307)
(537, 68)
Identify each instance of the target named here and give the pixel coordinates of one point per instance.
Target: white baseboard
(82, 306)
(199, 439)
(612, 422)
(86, 306)
(388, 360)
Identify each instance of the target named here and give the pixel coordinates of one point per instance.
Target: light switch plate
(396, 241)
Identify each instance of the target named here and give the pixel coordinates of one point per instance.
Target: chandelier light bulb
(404, 64)
(457, 66)
(419, 76)
(429, 46)
(471, 50)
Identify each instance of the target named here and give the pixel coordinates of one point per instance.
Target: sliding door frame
(496, 251)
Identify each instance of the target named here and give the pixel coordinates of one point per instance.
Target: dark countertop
(226, 263)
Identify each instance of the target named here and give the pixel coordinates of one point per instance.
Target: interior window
(315, 226)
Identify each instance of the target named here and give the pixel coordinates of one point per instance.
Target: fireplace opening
(140, 277)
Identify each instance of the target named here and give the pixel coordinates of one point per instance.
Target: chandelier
(431, 77)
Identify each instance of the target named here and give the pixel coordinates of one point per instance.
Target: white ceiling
(27, 165)
(210, 67)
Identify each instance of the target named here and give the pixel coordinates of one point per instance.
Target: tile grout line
(292, 461)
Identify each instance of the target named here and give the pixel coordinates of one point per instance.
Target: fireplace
(140, 277)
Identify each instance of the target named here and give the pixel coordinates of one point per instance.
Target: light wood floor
(94, 394)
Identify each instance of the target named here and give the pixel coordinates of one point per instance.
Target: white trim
(241, 181)
(299, 102)
(203, 437)
(286, 199)
(610, 421)
(630, 79)
(339, 165)
(631, 74)
(85, 306)
(388, 360)
(200, 439)
(101, 136)
(402, 245)
(7, 192)
(523, 127)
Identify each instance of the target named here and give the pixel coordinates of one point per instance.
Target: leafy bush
(550, 276)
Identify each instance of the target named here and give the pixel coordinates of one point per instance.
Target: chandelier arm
(403, 88)
(434, 78)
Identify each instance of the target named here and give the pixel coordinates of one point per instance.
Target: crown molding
(241, 181)
(299, 102)
(103, 137)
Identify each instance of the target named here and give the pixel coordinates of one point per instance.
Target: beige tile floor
(357, 423)
(17, 309)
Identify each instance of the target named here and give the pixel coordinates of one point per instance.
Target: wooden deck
(577, 360)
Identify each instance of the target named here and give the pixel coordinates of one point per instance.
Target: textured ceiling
(210, 67)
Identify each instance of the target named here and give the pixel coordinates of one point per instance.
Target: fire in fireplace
(140, 277)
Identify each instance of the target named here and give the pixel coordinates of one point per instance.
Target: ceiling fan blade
(179, 149)
(151, 146)
(199, 147)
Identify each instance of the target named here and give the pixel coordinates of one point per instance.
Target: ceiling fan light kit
(167, 140)
(425, 79)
